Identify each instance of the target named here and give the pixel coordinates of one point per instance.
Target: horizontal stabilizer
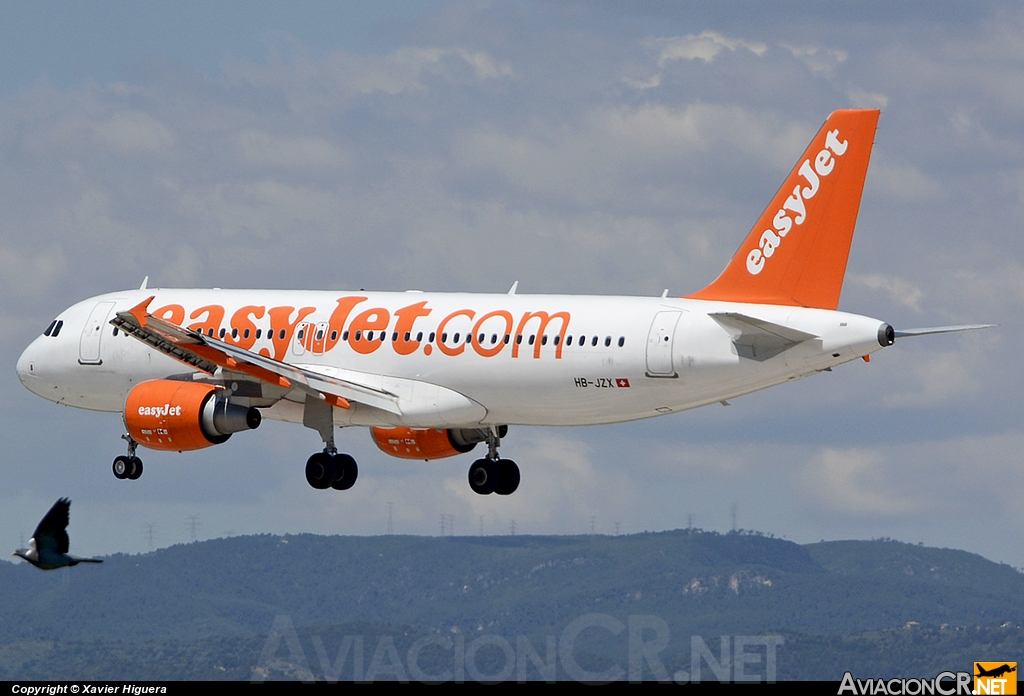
(942, 329)
(757, 339)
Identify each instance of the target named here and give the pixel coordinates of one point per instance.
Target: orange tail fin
(797, 252)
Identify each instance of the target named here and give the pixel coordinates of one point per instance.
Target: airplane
(433, 375)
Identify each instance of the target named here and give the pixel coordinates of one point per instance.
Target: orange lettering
(544, 320)
(460, 346)
(173, 313)
(376, 319)
(336, 324)
(407, 316)
(241, 323)
(496, 348)
(280, 319)
(214, 317)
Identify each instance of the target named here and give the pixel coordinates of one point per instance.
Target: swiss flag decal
(624, 383)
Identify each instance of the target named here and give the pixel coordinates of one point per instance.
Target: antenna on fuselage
(145, 282)
(512, 290)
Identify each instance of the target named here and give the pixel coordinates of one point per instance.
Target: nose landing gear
(493, 474)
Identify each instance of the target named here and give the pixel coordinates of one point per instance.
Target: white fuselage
(594, 360)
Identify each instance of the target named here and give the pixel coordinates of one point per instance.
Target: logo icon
(995, 677)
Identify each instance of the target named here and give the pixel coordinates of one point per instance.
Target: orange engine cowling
(410, 443)
(165, 414)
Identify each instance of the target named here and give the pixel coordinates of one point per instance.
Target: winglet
(140, 310)
(797, 252)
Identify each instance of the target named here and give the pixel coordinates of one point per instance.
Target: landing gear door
(659, 344)
(89, 346)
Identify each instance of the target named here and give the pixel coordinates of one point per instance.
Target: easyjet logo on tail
(794, 209)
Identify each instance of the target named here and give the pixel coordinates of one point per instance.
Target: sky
(591, 147)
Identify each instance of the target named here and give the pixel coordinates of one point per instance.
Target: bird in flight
(48, 547)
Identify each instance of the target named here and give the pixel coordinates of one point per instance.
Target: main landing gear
(327, 469)
(128, 467)
(331, 469)
(492, 474)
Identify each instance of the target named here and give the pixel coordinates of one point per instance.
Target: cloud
(855, 482)
(134, 131)
(820, 60)
(28, 274)
(939, 378)
(904, 183)
(704, 46)
(306, 153)
(899, 290)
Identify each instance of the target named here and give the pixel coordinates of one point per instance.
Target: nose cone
(28, 367)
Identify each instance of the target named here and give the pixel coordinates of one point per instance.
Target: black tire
(483, 476)
(136, 469)
(320, 471)
(508, 477)
(122, 467)
(345, 472)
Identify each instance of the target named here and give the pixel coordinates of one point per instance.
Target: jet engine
(411, 443)
(169, 415)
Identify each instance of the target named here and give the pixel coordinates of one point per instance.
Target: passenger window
(320, 335)
(432, 335)
(544, 340)
(359, 335)
(115, 331)
(407, 336)
(519, 339)
(369, 335)
(622, 341)
(557, 338)
(334, 335)
(593, 341)
(583, 339)
(507, 337)
(469, 338)
(259, 333)
(419, 336)
(223, 332)
(607, 341)
(246, 335)
(301, 332)
(532, 338)
(281, 334)
(234, 333)
(394, 336)
(456, 338)
(344, 336)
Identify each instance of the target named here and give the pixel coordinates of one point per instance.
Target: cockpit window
(50, 327)
(56, 329)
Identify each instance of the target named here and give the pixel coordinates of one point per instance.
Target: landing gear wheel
(320, 470)
(136, 471)
(122, 467)
(345, 472)
(483, 476)
(508, 477)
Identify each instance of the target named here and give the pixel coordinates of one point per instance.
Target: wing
(51, 533)
(209, 354)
